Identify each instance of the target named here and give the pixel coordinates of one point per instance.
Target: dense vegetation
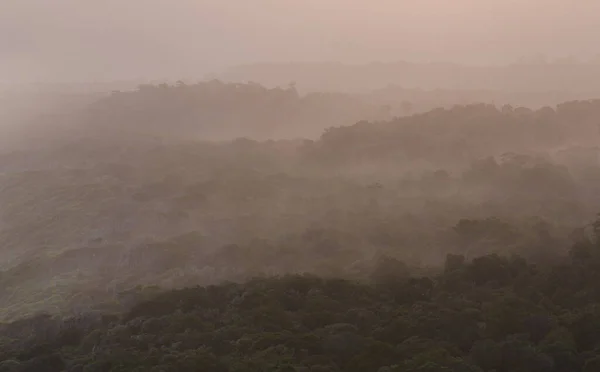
(457, 239)
(463, 134)
(493, 313)
(119, 215)
(221, 111)
(216, 110)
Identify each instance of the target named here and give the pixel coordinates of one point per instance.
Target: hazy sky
(112, 39)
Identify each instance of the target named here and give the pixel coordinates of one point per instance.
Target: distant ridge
(332, 76)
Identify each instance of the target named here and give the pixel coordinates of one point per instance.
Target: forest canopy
(460, 239)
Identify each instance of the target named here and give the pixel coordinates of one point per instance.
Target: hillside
(113, 212)
(490, 314)
(213, 110)
(97, 222)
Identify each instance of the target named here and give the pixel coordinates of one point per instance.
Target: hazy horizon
(67, 40)
(334, 185)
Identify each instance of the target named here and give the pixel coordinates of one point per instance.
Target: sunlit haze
(74, 40)
(299, 185)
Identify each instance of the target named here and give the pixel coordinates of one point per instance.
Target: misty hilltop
(142, 199)
(129, 241)
(299, 186)
(556, 78)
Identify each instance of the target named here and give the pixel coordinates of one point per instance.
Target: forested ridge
(490, 314)
(465, 133)
(557, 76)
(459, 239)
(213, 110)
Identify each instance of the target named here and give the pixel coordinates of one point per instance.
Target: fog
(70, 40)
(308, 186)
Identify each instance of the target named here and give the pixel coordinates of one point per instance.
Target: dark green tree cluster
(490, 313)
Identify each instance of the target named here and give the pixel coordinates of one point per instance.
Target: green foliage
(393, 322)
(323, 255)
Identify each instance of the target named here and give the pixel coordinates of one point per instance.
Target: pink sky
(107, 39)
